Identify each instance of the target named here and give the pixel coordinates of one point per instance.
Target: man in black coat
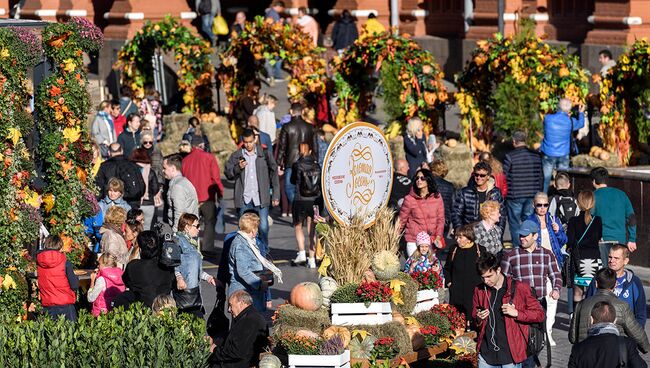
(401, 185)
(523, 169)
(604, 347)
(247, 338)
(344, 32)
(469, 199)
(117, 166)
(447, 190)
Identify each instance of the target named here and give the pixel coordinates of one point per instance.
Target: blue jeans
(289, 189)
(549, 163)
(275, 70)
(518, 210)
(264, 219)
(206, 26)
(483, 364)
(220, 226)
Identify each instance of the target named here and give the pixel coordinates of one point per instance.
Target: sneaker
(270, 220)
(285, 214)
(300, 258)
(271, 82)
(311, 263)
(551, 341)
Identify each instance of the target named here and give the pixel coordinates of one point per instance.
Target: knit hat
(423, 238)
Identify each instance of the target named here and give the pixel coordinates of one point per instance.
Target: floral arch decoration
(625, 101)
(527, 61)
(65, 148)
(263, 40)
(192, 53)
(20, 216)
(410, 77)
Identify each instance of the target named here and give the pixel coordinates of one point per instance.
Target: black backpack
(309, 185)
(170, 252)
(130, 174)
(566, 208)
(205, 7)
(536, 339)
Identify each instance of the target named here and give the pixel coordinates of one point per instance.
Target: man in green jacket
(615, 210)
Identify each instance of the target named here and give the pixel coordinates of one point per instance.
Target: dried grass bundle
(348, 248)
(384, 234)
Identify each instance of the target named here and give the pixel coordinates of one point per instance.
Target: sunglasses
(419, 177)
(540, 205)
(480, 175)
(195, 225)
(147, 142)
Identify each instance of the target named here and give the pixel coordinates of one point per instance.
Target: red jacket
(119, 123)
(529, 309)
(202, 170)
(53, 283)
(422, 214)
(501, 182)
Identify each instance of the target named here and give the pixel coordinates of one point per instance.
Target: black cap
(197, 140)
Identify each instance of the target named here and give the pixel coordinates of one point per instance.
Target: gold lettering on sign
(361, 188)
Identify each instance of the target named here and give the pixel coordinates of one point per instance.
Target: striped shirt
(533, 268)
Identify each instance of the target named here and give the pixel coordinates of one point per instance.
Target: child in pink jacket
(105, 285)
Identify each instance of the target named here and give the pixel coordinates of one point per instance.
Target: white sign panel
(357, 173)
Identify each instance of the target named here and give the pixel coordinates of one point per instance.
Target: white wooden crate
(426, 299)
(358, 314)
(320, 361)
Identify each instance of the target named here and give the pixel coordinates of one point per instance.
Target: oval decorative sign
(357, 173)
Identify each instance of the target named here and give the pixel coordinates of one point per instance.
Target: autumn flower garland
(62, 103)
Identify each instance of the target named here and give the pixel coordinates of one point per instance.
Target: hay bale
(585, 160)
(291, 319)
(392, 329)
(218, 134)
(397, 148)
(409, 294)
(460, 163)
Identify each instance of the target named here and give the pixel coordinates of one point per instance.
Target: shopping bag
(219, 26)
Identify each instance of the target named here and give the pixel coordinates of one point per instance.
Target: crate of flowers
(310, 350)
(428, 284)
(366, 303)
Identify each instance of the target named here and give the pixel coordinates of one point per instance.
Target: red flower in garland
(427, 280)
(374, 292)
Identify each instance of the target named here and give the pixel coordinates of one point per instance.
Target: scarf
(265, 262)
(603, 328)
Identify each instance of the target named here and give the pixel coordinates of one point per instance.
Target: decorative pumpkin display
(362, 349)
(451, 143)
(343, 332)
(307, 296)
(385, 265)
(399, 318)
(327, 287)
(604, 155)
(269, 361)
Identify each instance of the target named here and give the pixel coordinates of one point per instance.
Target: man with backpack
(305, 175)
(257, 186)
(504, 310)
(117, 166)
(533, 265)
(563, 204)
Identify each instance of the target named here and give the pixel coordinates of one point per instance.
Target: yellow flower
(14, 135)
(32, 199)
(70, 66)
(8, 283)
(4, 53)
(48, 201)
(72, 134)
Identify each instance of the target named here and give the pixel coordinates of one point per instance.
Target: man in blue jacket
(558, 133)
(628, 286)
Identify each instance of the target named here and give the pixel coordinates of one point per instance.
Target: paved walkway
(283, 245)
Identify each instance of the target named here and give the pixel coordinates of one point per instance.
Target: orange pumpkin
(307, 334)
(343, 332)
(307, 296)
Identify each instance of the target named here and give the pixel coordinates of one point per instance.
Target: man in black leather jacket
(468, 199)
(292, 134)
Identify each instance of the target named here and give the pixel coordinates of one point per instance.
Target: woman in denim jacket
(190, 272)
(245, 259)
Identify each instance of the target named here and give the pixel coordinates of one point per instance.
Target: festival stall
(365, 312)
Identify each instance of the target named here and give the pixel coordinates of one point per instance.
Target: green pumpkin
(362, 349)
(270, 361)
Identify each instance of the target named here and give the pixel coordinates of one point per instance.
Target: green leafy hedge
(131, 338)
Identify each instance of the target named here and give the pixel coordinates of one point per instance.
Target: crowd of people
(159, 217)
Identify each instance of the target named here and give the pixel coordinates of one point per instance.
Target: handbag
(536, 339)
(265, 275)
(219, 26)
(188, 298)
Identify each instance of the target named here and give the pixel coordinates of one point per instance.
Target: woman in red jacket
(422, 210)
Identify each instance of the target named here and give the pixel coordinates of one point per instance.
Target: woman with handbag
(249, 270)
(584, 232)
(190, 272)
